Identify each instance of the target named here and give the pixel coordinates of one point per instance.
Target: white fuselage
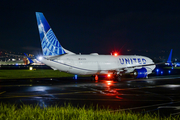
(64, 60)
(98, 64)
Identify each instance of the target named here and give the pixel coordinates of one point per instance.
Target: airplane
(169, 61)
(176, 64)
(29, 59)
(59, 58)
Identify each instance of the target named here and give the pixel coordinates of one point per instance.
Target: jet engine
(140, 73)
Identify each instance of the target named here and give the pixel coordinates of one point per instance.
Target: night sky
(102, 26)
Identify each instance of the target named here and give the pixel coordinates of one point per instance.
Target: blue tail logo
(49, 43)
(169, 58)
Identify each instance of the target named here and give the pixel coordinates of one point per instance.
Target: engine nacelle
(140, 73)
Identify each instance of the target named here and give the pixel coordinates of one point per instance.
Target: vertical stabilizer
(30, 61)
(170, 56)
(49, 43)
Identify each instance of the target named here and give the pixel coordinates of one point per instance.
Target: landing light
(109, 75)
(40, 58)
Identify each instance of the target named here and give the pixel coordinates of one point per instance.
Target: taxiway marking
(2, 92)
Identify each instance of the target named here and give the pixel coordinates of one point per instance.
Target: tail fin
(169, 58)
(30, 61)
(49, 43)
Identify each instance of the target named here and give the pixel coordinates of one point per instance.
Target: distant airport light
(157, 70)
(173, 86)
(161, 72)
(30, 68)
(75, 77)
(169, 71)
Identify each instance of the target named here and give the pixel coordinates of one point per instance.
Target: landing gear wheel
(117, 78)
(94, 78)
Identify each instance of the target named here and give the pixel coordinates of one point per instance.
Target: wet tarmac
(156, 94)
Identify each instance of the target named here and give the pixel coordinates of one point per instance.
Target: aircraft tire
(92, 78)
(118, 78)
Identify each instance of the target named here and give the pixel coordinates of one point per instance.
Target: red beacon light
(115, 54)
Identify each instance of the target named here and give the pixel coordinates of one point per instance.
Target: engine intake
(140, 73)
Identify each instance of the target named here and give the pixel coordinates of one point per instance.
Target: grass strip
(68, 112)
(177, 68)
(22, 74)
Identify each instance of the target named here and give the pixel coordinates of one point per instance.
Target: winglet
(169, 58)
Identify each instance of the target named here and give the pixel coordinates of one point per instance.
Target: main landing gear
(117, 78)
(114, 77)
(94, 77)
